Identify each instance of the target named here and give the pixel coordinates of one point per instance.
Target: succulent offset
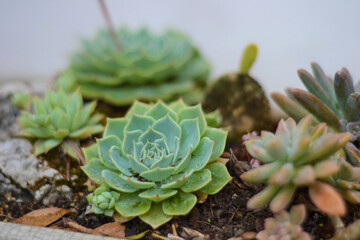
(240, 99)
(103, 200)
(296, 156)
(285, 226)
(148, 67)
(336, 102)
(58, 117)
(347, 181)
(157, 158)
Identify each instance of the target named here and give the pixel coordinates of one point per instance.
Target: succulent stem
(110, 24)
(337, 222)
(77, 151)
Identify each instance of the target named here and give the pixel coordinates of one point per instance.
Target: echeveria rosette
(285, 225)
(336, 102)
(148, 67)
(157, 157)
(103, 200)
(58, 117)
(295, 156)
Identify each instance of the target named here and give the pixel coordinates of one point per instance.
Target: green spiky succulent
(295, 156)
(336, 102)
(147, 67)
(58, 117)
(285, 225)
(158, 157)
(103, 200)
(240, 99)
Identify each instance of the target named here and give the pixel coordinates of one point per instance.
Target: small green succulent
(21, 100)
(103, 200)
(285, 225)
(336, 102)
(148, 67)
(240, 99)
(295, 156)
(157, 158)
(58, 117)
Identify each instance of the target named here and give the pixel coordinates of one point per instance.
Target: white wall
(37, 36)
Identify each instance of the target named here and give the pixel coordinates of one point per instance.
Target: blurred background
(38, 36)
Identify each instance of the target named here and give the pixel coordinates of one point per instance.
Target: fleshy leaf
(115, 127)
(219, 138)
(220, 177)
(131, 205)
(193, 113)
(104, 146)
(180, 204)
(190, 136)
(158, 194)
(116, 182)
(197, 181)
(155, 217)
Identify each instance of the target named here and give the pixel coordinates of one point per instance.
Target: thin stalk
(77, 151)
(337, 222)
(109, 24)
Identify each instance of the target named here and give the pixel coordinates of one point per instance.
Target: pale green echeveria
(148, 67)
(295, 156)
(285, 225)
(58, 117)
(334, 101)
(103, 200)
(158, 157)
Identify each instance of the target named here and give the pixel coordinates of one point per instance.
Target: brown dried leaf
(77, 227)
(42, 217)
(113, 229)
(327, 199)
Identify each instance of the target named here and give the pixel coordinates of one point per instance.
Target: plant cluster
(147, 67)
(156, 158)
(285, 225)
(293, 157)
(335, 102)
(58, 117)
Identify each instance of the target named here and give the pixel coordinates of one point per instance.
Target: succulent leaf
(156, 158)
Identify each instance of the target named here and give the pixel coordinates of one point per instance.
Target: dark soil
(222, 216)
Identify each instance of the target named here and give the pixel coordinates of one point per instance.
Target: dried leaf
(42, 217)
(113, 229)
(327, 199)
(75, 226)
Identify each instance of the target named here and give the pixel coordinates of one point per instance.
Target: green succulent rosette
(147, 67)
(157, 157)
(58, 117)
(103, 200)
